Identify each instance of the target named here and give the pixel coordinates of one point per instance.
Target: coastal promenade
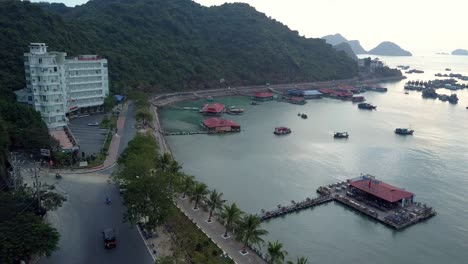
(170, 98)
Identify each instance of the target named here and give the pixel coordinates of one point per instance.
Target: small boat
(366, 106)
(406, 93)
(282, 131)
(304, 116)
(254, 103)
(341, 135)
(448, 69)
(235, 111)
(209, 98)
(404, 131)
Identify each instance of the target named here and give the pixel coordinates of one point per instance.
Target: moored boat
(366, 106)
(341, 135)
(404, 131)
(282, 131)
(235, 111)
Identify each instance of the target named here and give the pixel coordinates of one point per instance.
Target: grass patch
(191, 242)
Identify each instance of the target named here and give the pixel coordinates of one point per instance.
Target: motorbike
(108, 201)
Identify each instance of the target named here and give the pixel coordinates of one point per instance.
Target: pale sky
(420, 26)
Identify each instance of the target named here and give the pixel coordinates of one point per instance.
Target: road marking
(146, 245)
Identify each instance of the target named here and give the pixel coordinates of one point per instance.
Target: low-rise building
(213, 109)
(217, 125)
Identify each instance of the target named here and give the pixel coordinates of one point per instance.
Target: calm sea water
(259, 170)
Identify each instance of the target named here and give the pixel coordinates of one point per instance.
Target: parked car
(109, 238)
(93, 124)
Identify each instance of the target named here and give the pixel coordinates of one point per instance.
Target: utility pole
(37, 186)
(16, 179)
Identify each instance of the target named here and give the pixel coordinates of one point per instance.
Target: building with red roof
(213, 109)
(263, 96)
(218, 125)
(381, 192)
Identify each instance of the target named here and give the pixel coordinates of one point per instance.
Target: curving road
(82, 218)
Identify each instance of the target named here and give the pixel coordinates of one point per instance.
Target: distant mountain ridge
(338, 39)
(463, 52)
(385, 48)
(388, 48)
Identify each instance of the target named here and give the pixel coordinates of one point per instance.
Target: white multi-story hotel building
(57, 86)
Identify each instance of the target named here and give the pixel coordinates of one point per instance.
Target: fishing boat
(282, 131)
(366, 106)
(341, 135)
(404, 131)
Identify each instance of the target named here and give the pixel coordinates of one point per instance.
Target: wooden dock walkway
(295, 206)
(185, 133)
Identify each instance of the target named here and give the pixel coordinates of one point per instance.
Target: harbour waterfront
(259, 170)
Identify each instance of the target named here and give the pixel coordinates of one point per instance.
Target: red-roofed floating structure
(263, 96)
(217, 125)
(381, 192)
(213, 109)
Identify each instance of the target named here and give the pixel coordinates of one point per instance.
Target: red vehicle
(109, 238)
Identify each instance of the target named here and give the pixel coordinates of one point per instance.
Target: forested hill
(168, 44)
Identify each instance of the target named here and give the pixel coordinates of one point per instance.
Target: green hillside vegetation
(168, 44)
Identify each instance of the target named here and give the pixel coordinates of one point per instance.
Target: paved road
(83, 217)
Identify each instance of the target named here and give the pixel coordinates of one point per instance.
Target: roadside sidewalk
(215, 232)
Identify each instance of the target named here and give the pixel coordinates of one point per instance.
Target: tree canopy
(23, 231)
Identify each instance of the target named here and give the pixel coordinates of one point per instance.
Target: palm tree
(188, 181)
(250, 232)
(231, 215)
(276, 253)
(199, 191)
(214, 202)
(164, 161)
(300, 260)
(173, 168)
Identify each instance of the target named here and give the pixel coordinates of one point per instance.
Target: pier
(185, 133)
(382, 202)
(295, 207)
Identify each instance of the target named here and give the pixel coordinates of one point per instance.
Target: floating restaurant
(263, 96)
(383, 202)
(381, 193)
(213, 109)
(217, 125)
(312, 94)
